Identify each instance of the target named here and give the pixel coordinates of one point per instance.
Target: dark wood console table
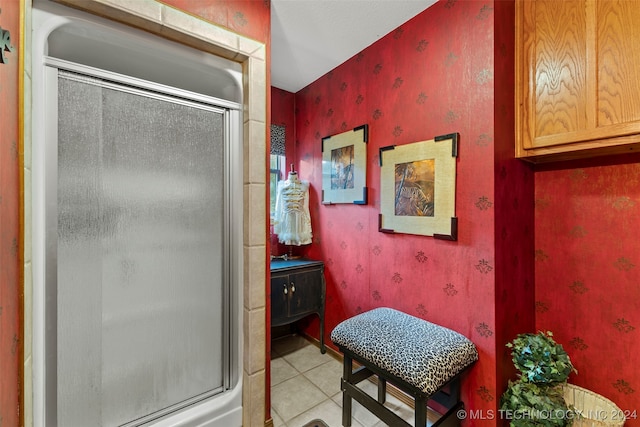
(297, 290)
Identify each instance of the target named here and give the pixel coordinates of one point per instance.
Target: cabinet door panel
(560, 67)
(577, 78)
(618, 58)
(308, 289)
(279, 299)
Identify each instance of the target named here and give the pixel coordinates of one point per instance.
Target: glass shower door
(141, 253)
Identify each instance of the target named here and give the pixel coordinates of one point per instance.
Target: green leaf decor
(536, 398)
(540, 359)
(527, 404)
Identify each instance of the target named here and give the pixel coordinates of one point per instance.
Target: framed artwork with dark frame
(344, 167)
(418, 188)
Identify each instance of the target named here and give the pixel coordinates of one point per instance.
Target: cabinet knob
(293, 287)
(286, 291)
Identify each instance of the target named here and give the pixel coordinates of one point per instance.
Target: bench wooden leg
(420, 411)
(382, 390)
(346, 398)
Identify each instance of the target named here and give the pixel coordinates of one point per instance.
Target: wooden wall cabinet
(297, 290)
(577, 78)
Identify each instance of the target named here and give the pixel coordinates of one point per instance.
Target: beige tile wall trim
(27, 394)
(175, 25)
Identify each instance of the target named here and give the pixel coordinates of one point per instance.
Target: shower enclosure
(141, 212)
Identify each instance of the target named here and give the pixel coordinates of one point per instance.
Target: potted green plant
(536, 397)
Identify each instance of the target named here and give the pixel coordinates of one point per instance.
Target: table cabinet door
(279, 299)
(305, 292)
(297, 291)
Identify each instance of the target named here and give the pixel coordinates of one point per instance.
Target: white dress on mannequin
(292, 222)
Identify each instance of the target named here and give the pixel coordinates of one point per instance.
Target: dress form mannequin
(292, 222)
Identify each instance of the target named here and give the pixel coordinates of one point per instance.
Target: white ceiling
(309, 38)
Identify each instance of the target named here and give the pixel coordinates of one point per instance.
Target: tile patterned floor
(305, 385)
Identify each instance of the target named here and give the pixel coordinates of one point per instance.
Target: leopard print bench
(418, 357)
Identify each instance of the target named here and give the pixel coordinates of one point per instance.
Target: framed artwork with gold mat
(344, 167)
(418, 188)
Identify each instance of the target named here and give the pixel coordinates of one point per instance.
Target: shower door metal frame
(233, 223)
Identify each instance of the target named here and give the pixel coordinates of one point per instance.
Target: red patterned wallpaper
(11, 344)
(250, 18)
(513, 210)
(587, 264)
(282, 114)
(433, 75)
